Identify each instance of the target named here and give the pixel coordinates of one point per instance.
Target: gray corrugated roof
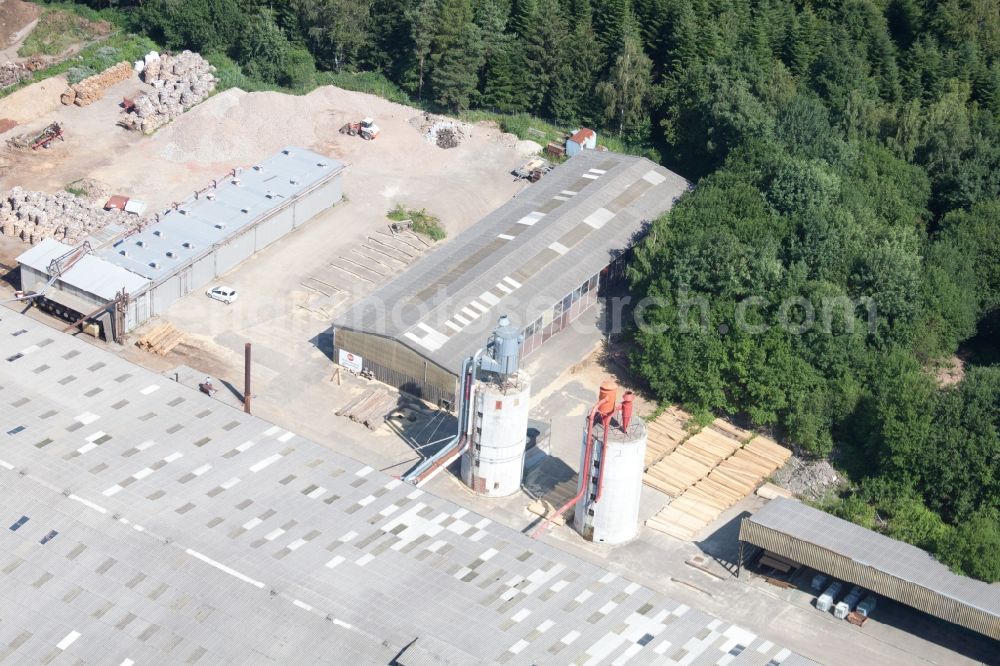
(875, 550)
(521, 258)
(221, 213)
(90, 274)
(231, 538)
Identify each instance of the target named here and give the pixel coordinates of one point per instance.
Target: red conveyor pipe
(588, 452)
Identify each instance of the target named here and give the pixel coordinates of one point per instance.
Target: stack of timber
(733, 479)
(690, 462)
(548, 503)
(160, 340)
(371, 408)
(664, 434)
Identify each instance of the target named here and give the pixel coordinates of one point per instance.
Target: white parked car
(225, 294)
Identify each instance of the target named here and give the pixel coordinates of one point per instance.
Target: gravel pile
(807, 478)
(447, 137)
(182, 81)
(35, 216)
(92, 88)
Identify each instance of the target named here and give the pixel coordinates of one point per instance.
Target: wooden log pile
(160, 340)
(181, 81)
(734, 478)
(664, 434)
(371, 408)
(34, 216)
(92, 88)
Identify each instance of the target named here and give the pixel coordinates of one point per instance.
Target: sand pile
(182, 81)
(237, 127)
(35, 216)
(92, 88)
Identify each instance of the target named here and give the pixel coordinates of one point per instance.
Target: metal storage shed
(200, 239)
(537, 259)
(888, 567)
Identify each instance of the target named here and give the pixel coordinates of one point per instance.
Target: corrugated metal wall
(867, 577)
(397, 365)
(318, 200)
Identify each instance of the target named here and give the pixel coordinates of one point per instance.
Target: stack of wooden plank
(160, 340)
(371, 408)
(554, 499)
(730, 430)
(734, 478)
(664, 434)
(690, 461)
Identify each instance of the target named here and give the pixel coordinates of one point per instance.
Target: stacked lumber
(547, 504)
(664, 434)
(683, 518)
(734, 478)
(92, 88)
(160, 340)
(730, 430)
(770, 491)
(690, 462)
(371, 408)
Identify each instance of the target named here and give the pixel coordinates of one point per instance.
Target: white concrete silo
(608, 511)
(493, 460)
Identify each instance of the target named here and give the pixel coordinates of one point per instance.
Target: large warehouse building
(538, 259)
(151, 524)
(191, 244)
(876, 562)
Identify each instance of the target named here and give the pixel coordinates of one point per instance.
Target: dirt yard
(235, 128)
(16, 20)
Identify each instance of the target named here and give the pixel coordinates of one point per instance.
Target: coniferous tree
(456, 74)
(627, 87)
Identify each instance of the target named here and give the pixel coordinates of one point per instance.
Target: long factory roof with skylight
(145, 522)
(520, 259)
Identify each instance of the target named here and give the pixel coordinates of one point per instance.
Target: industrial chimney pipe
(246, 378)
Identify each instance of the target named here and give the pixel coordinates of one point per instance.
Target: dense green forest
(843, 237)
